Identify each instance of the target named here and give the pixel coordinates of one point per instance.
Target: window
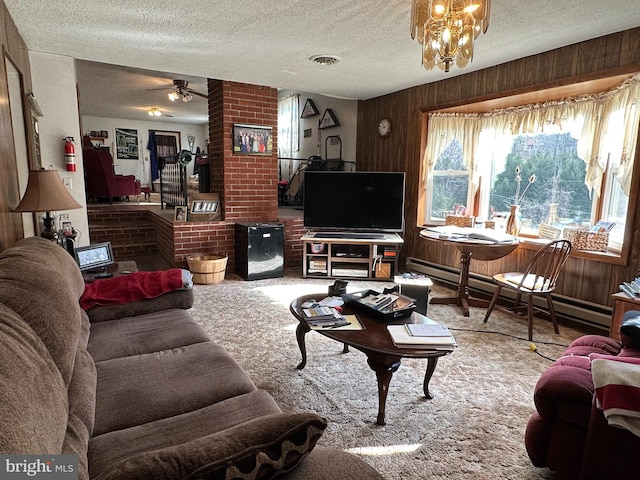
(558, 189)
(450, 183)
(579, 151)
(288, 126)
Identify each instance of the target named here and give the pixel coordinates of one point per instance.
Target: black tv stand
(365, 255)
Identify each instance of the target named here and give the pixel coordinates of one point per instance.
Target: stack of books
(317, 265)
(430, 335)
(324, 317)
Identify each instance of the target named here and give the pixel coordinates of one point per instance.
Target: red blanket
(130, 288)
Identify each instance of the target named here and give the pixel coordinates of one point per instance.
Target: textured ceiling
(269, 43)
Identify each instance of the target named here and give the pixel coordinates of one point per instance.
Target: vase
(513, 222)
(552, 219)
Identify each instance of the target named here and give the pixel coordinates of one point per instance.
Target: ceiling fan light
(173, 96)
(187, 97)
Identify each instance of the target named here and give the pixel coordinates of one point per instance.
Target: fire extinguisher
(70, 154)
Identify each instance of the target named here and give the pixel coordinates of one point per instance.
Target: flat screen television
(354, 201)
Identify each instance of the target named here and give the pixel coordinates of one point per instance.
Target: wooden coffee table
(374, 341)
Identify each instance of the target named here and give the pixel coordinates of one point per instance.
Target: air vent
(324, 59)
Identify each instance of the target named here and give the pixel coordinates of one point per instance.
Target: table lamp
(45, 193)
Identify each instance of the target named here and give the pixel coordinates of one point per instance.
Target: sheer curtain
(591, 119)
(288, 126)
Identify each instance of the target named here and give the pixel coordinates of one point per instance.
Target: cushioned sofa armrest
(175, 299)
(258, 449)
(565, 392)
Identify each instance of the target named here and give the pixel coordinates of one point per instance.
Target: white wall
(54, 86)
(133, 167)
(346, 112)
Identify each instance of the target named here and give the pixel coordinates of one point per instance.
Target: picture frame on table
(180, 213)
(252, 140)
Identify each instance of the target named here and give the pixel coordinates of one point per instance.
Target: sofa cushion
(113, 448)
(44, 297)
(182, 299)
(144, 334)
(143, 388)
(259, 449)
(33, 396)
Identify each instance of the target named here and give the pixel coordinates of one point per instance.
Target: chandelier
(446, 29)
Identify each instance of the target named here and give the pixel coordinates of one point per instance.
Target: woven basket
(207, 269)
(459, 221)
(582, 239)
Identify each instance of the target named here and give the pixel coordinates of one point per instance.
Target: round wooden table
(485, 250)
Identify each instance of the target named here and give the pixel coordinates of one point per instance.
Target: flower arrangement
(519, 197)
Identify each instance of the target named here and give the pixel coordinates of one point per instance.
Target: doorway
(162, 144)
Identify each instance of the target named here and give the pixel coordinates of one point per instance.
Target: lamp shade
(46, 192)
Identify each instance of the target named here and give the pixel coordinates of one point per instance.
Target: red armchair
(568, 433)
(101, 181)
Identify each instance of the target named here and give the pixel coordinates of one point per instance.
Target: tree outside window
(559, 180)
(450, 186)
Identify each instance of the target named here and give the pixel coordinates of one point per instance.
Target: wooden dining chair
(539, 279)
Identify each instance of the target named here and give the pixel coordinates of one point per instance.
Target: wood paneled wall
(13, 48)
(606, 56)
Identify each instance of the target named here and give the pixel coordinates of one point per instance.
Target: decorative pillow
(260, 449)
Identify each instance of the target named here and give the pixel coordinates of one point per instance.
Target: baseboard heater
(593, 315)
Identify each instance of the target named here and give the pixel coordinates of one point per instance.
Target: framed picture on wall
(127, 144)
(252, 140)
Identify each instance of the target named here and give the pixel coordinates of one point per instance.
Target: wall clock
(384, 127)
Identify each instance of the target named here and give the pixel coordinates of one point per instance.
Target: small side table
(621, 304)
(415, 286)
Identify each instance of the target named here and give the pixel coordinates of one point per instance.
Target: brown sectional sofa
(138, 391)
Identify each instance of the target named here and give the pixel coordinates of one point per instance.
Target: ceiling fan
(181, 91)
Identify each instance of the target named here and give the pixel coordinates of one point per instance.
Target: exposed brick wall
(216, 138)
(292, 244)
(129, 230)
(135, 233)
(164, 235)
(247, 184)
(213, 238)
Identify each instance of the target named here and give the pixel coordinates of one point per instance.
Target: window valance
(605, 125)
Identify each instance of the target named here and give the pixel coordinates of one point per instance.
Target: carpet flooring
(474, 426)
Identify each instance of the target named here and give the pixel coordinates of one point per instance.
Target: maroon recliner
(568, 433)
(100, 179)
